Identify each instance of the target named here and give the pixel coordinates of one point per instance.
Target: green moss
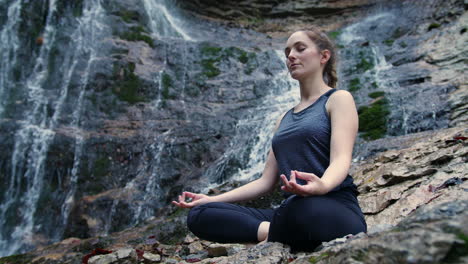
(374, 85)
(354, 85)
(433, 26)
(457, 251)
(127, 86)
(210, 51)
(166, 85)
(376, 94)
(128, 16)
(137, 33)
(209, 69)
(101, 167)
(16, 259)
(243, 58)
(364, 62)
(334, 34)
(322, 256)
(398, 33)
(389, 42)
(403, 44)
(213, 55)
(373, 119)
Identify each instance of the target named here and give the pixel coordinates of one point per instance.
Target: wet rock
(103, 259)
(151, 258)
(195, 247)
(217, 250)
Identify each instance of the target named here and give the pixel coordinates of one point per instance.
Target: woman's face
(302, 56)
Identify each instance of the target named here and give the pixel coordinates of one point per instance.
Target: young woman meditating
(311, 154)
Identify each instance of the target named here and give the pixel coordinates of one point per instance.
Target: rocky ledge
(414, 199)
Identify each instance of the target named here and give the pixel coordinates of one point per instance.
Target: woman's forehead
(295, 37)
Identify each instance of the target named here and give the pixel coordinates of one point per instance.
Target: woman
(311, 153)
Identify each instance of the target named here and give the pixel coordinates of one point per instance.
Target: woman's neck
(312, 88)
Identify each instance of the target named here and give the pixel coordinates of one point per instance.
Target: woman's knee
(193, 217)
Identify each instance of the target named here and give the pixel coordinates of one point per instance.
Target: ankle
(262, 233)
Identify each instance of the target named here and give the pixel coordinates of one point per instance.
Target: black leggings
(301, 222)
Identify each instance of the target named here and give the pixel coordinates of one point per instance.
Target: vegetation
(334, 34)
(354, 85)
(322, 256)
(128, 16)
(166, 84)
(364, 63)
(389, 42)
(376, 94)
(137, 33)
(433, 26)
(373, 119)
(17, 259)
(213, 55)
(127, 86)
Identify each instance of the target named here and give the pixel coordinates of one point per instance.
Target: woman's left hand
(314, 185)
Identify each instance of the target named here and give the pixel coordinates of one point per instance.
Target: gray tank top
(302, 142)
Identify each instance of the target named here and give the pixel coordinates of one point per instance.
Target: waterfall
(27, 163)
(165, 23)
(254, 132)
(37, 130)
(8, 50)
(89, 31)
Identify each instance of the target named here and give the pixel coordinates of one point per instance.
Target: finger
(190, 194)
(299, 189)
(285, 180)
(292, 177)
(305, 176)
(177, 204)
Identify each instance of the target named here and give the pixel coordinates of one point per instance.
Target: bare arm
(344, 127)
(251, 190)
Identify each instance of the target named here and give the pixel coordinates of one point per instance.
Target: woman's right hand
(194, 200)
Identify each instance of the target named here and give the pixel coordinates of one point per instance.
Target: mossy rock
(127, 86)
(213, 55)
(16, 259)
(354, 85)
(373, 119)
(433, 26)
(334, 34)
(376, 94)
(389, 42)
(167, 84)
(128, 16)
(136, 33)
(316, 259)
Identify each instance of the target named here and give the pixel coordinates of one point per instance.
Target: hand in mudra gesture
(189, 200)
(314, 185)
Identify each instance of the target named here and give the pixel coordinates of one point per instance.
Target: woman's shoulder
(340, 99)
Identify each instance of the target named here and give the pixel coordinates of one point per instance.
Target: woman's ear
(325, 56)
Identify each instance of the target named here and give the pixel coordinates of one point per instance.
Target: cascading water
(8, 48)
(19, 203)
(255, 131)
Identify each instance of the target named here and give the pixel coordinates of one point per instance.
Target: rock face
(133, 110)
(414, 215)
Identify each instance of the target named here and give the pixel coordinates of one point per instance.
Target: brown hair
(323, 42)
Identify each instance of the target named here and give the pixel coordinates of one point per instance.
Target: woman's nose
(291, 56)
